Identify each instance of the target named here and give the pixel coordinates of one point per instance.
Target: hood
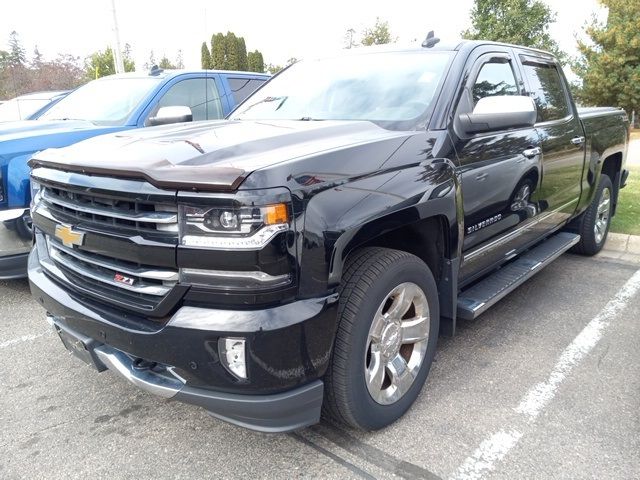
(33, 135)
(209, 155)
(12, 130)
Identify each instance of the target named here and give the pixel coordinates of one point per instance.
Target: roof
(442, 46)
(172, 73)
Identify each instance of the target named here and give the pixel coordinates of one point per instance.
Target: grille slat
(114, 212)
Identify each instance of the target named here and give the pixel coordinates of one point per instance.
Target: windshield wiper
(310, 119)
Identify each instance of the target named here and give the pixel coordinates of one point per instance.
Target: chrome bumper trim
(155, 383)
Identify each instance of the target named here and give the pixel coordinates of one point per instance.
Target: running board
(487, 292)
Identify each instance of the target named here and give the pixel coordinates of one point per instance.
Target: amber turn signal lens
(276, 214)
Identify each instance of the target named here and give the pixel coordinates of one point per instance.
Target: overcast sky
(280, 29)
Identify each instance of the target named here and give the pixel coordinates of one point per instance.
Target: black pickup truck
(304, 255)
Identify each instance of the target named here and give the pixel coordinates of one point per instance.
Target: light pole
(117, 56)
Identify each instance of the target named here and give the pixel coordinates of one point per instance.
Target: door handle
(532, 152)
(481, 176)
(577, 140)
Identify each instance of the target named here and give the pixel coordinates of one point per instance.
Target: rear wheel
(386, 339)
(593, 225)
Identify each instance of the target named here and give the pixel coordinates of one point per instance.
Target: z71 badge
(118, 277)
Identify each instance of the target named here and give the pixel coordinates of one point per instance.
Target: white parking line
(495, 447)
(24, 338)
(490, 451)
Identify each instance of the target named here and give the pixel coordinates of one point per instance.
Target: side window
(241, 88)
(199, 94)
(494, 78)
(547, 91)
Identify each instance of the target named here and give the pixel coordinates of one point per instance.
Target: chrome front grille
(71, 206)
(108, 238)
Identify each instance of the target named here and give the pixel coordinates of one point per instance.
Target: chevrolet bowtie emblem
(68, 236)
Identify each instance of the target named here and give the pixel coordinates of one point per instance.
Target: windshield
(21, 108)
(103, 102)
(385, 88)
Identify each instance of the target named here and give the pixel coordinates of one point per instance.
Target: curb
(622, 246)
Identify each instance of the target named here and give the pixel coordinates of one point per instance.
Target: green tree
(205, 56)
(609, 65)
(17, 53)
(379, 34)
(243, 61)
(166, 64)
(218, 51)
(520, 22)
(231, 52)
(101, 63)
(255, 62)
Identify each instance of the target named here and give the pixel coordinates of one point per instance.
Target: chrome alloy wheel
(397, 343)
(602, 215)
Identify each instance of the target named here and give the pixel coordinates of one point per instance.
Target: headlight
(247, 220)
(240, 243)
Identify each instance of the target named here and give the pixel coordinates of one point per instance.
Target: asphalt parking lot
(544, 385)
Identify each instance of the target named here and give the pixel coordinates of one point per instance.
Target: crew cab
(110, 104)
(305, 254)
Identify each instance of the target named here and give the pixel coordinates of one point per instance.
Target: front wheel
(593, 225)
(388, 327)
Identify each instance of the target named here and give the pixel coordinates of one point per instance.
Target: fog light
(232, 354)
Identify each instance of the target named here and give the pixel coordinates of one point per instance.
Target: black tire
(585, 224)
(370, 274)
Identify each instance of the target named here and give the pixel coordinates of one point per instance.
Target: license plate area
(80, 346)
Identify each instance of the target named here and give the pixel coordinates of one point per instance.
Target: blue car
(107, 105)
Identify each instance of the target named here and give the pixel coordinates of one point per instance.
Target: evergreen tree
(255, 62)
(218, 55)
(243, 62)
(205, 56)
(17, 54)
(231, 52)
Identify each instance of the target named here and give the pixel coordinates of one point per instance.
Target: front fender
(17, 181)
(340, 219)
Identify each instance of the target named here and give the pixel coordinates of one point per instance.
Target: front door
(500, 171)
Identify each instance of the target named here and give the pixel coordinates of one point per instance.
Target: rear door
(562, 138)
(240, 87)
(500, 170)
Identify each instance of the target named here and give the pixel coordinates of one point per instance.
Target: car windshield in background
(19, 108)
(103, 102)
(387, 88)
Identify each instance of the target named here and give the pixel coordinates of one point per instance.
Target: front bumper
(288, 350)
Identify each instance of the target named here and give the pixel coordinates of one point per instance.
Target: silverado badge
(68, 236)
